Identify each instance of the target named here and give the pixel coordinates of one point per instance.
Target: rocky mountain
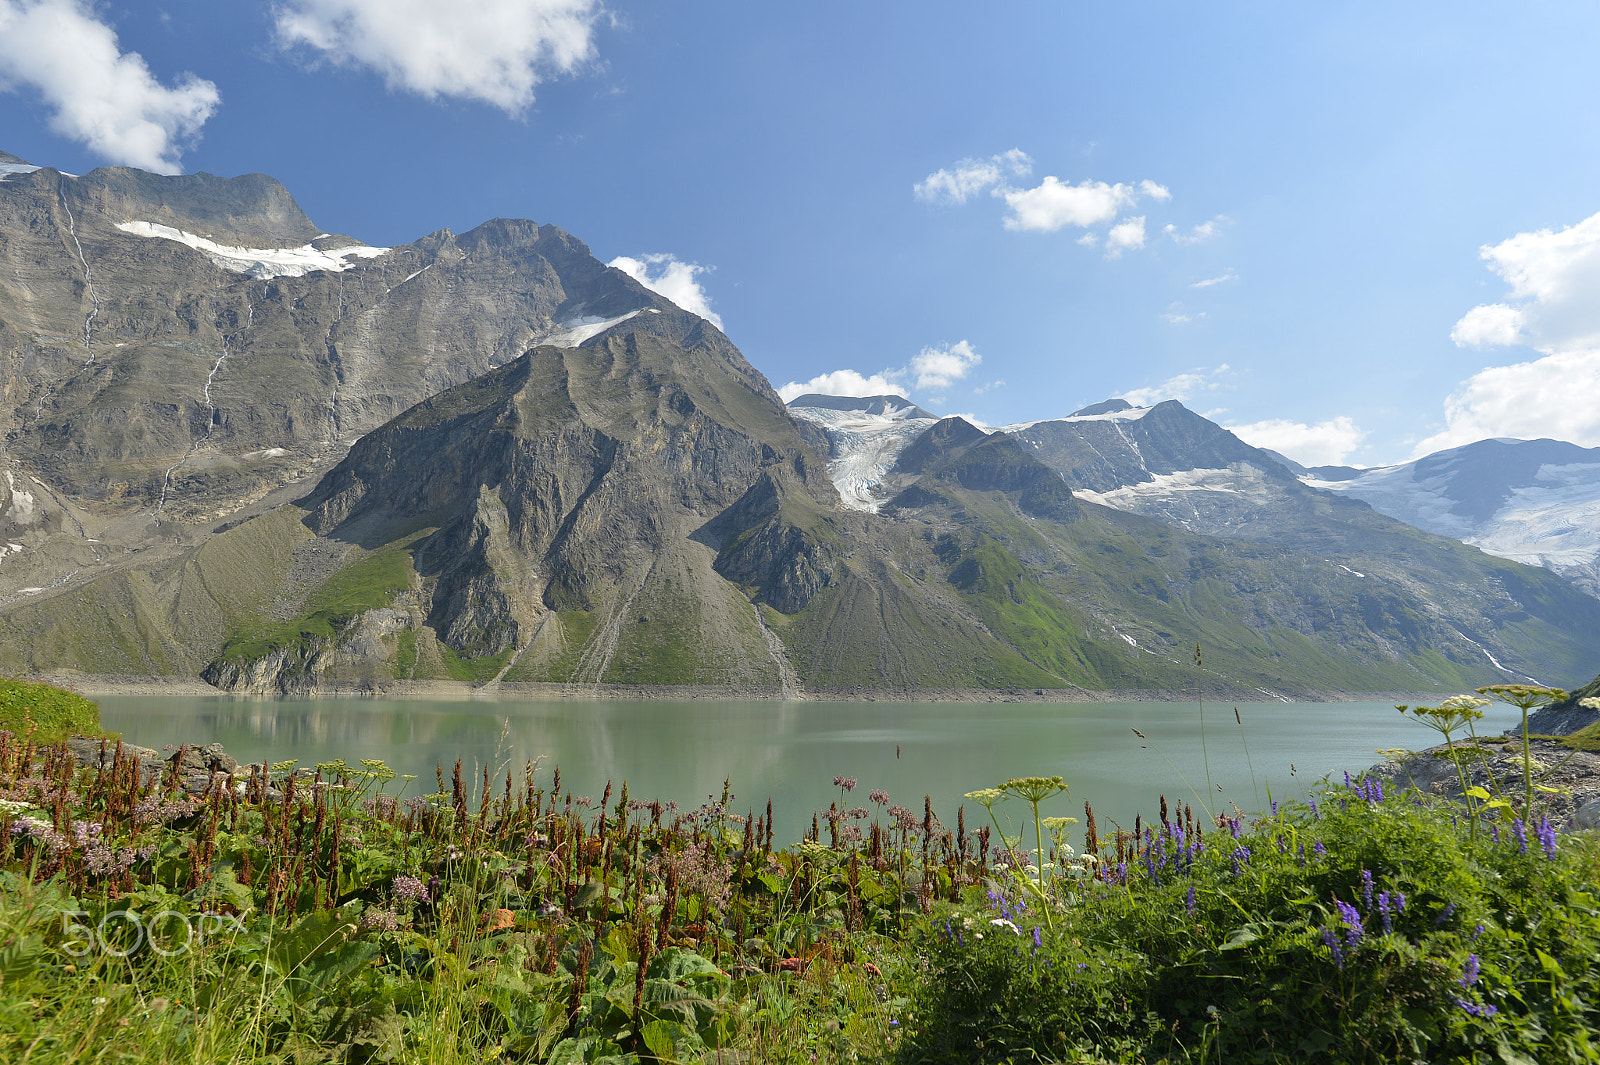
(283, 460)
(175, 349)
(1536, 501)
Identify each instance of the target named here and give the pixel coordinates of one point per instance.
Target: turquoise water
(790, 752)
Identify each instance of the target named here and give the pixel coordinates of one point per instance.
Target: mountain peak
(888, 405)
(1109, 406)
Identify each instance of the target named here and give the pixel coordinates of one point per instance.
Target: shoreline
(100, 686)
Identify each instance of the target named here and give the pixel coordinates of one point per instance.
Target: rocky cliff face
(175, 349)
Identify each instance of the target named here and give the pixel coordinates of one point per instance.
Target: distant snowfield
(863, 449)
(1554, 522)
(259, 263)
(7, 169)
(1168, 495)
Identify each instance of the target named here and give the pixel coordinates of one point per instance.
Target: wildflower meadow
(340, 913)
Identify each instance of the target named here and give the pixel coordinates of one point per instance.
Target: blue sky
(1356, 232)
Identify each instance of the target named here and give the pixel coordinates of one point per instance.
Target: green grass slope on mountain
(169, 618)
(51, 712)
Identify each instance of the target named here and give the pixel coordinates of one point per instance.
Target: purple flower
(1444, 915)
(1384, 911)
(1332, 942)
(1353, 921)
(1322, 852)
(1366, 890)
(406, 888)
(1494, 833)
(1470, 972)
(1547, 836)
(1188, 902)
(1037, 940)
(847, 783)
(1520, 832)
(1240, 857)
(1476, 1010)
(879, 797)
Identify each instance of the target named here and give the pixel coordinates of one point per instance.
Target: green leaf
(1476, 792)
(663, 1038)
(1242, 936)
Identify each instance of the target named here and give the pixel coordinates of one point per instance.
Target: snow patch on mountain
(1169, 495)
(1131, 415)
(572, 333)
(863, 448)
(259, 263)
(7, 169)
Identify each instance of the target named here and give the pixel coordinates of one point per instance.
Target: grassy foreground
(327, 917)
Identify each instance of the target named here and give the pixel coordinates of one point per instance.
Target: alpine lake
(791, 752)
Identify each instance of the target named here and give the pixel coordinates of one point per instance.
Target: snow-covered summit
(259, 263)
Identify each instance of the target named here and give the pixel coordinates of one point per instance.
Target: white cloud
(841, 383)
(1553, 307)
(1126, 234)
(1488, 325)
(100, 96)
(931, 369)
(496, 51)
(1548, 397)
(989, 387)
(1208, 282)
(1182, 387)
(973, 418)
(1324, 444)
(1555, 279)
(1202, 232)
(1182, 318)
(1051, 204)
(667, 276)
(971, 176)
(942, 366)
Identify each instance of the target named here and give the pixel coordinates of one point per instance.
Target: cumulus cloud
(1488, 325)
(1126, 235)
(496, 51)
(1554, 278)
(1182, 387)
(966, 179)
(1554, 308)
(943, 366)
(1324, 444)
(99, 96)
(672, 278)
(1053, 204)
(841, 383)
(931, 369)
